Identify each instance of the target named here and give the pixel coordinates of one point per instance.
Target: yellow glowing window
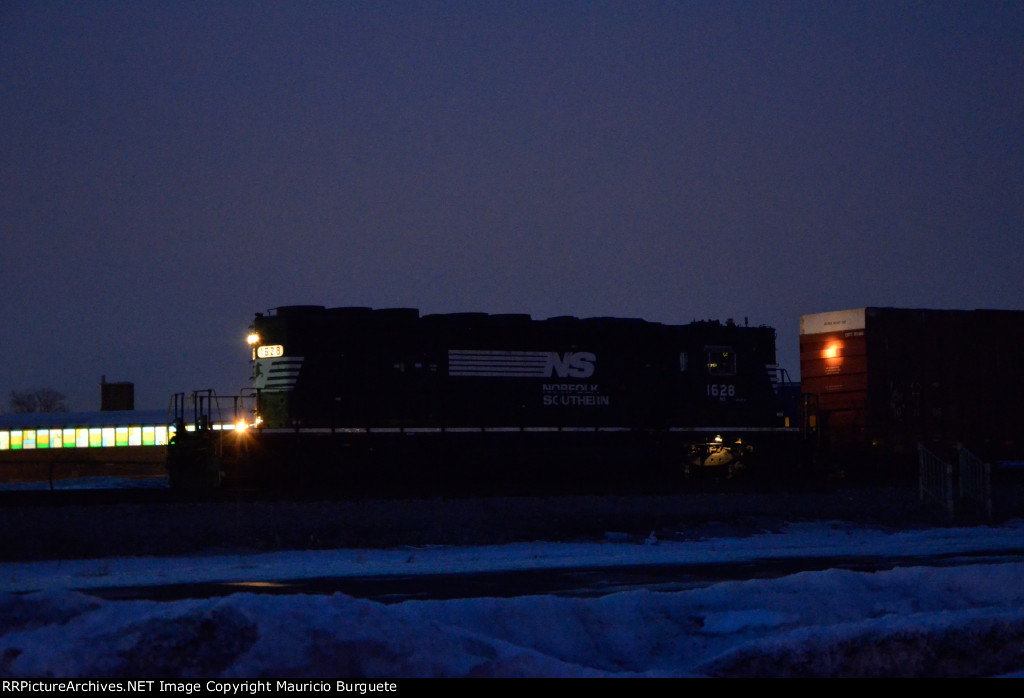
(81, 437)
(161, 435)
(28, 439)
(134, 436)
(148, 436)
(42, 438)
(120, 436)
(68, 438)
(95, 437)
(17, 440)
(5, 440)
(721, 361)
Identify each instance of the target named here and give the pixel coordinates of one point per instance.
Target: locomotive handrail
(196, 410)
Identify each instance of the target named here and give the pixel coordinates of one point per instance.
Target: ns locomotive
(389, 401)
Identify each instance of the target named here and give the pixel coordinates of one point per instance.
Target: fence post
(975, 481)
(935, 483)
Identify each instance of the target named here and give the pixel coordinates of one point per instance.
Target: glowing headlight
(253, 338)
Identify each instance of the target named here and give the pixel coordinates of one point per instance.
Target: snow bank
(963, 621)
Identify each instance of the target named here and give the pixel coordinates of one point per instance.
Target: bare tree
(38, 400)
(23, 401)
(51, 401)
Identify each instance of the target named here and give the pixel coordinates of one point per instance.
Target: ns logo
(572, 364)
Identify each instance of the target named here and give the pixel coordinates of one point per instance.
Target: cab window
(721, 361)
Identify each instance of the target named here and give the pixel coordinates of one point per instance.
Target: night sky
(169, 169)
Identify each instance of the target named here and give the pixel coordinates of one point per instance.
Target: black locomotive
(388, 401)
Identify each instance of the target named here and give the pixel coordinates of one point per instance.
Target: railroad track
(87, 524)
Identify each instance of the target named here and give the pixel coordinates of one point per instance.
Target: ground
(175, 527)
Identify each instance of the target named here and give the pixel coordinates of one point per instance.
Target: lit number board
(269, 351)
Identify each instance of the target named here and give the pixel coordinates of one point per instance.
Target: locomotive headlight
(241, 426)
(253, 338)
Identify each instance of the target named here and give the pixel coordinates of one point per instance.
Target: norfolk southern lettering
(574, 395)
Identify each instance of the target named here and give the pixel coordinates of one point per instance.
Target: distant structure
(116, 396)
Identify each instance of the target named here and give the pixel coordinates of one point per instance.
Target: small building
(116, 396)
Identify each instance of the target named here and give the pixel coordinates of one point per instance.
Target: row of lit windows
(84, 437)
(89, 437)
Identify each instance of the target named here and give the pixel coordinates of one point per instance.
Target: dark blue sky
(168, 169)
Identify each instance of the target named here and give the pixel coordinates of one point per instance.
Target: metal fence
(949, 491)
(935, 483)
(975, 482)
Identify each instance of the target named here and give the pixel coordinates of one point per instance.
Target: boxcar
(879, 381)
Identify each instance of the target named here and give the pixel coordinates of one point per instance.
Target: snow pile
(916, 621)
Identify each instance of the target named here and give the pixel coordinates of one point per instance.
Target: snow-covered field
(911, 621)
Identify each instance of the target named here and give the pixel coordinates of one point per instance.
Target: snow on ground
(910, 621)
(88, 483)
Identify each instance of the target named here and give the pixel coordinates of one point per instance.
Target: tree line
(38, 400)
